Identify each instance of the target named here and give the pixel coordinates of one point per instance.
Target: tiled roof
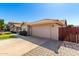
(43, 21)
(47, 21)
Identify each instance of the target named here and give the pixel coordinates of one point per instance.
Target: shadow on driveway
(53, 45)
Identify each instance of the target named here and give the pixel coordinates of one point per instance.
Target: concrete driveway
(30, 46)
(19, 46)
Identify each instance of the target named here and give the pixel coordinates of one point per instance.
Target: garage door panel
(41, 31)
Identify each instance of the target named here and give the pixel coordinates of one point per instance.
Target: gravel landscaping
(66, 49)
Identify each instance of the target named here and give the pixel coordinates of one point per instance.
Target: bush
(24, 33)
(13, 32)
(70, 26)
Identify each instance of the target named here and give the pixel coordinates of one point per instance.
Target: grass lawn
(6, 36)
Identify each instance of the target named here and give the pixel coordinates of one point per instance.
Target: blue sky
(29, 12)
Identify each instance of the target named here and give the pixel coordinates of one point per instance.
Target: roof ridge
(47, 19)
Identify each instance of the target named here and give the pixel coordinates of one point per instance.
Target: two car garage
(45, 31)
(47, 28)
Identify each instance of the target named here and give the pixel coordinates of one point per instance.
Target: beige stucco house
(25, 26)
(14, 26)
(47, 28)
(19, 26)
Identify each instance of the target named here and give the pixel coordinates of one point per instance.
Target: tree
(6, 27)
(70, 25)
(1, 24)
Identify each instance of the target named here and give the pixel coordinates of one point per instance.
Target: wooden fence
(70, 34)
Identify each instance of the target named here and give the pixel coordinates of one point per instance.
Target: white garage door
(41, 31)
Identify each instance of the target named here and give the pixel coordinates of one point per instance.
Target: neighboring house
(17, 26)
(14, 26)
(47, 28)
(25, 27)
